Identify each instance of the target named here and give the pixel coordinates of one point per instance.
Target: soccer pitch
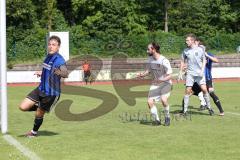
(126, 133)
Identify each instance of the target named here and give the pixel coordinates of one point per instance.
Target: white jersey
(159, 68)
(194, 58)
(203, 48)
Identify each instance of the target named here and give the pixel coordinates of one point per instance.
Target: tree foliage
(100, 22)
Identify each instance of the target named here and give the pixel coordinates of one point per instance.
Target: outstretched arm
(143, 74)
(214, 59)
(38, 73)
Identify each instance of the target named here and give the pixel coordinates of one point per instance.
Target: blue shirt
(208, 67)
(50, 82)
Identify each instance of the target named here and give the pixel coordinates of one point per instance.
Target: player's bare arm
(142, 74)
(182, 65)
(214, 59)
(61, 71)
(181, 70)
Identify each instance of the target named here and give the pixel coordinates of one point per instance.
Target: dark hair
(201, 43)
(55, 38)
(191, 35)
(198, 39)
(156, 46)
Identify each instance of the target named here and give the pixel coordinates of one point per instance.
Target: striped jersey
(50, 82)
(208, 68)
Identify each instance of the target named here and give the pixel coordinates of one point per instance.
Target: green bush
(132, 45)
(224, 42)
(31, 44)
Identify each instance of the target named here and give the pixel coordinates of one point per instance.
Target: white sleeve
(168, 67)
(183, 56)
(148, 64)
(203, 56)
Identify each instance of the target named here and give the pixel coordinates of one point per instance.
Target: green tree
(153, 12)
(111, 17)
(201, 17)
(235, 6)
(166, 7)
(19, 14)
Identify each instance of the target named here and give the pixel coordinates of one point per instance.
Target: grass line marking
(31, 155)
(233, 113)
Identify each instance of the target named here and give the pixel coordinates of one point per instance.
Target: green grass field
(116, 136)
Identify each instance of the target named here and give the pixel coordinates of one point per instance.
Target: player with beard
(160, 69)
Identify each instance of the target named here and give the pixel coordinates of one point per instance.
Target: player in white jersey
(160, 90)
(194, 58)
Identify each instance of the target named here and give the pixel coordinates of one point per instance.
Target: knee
(211, 91)
(150, 102)
(188, 91)
(164, 103)
(204, 89)
(40, 113)
(22, 107)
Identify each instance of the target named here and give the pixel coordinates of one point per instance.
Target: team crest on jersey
(196, 53)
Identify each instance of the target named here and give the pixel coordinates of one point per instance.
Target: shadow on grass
(43, 133)
(191, 109)
(148, 123)
(145, 118)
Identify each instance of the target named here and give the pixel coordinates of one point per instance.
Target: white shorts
(157, 91)
(191, 79)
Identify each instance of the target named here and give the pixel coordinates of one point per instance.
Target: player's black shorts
(209, 84)
(87, 74)
(196, 89)
(44, 101)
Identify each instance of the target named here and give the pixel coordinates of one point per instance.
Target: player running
(161, 71)
(48, 92)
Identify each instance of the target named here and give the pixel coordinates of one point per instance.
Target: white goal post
(3, 70)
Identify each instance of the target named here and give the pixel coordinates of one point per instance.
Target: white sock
(166, 111)
(34, 132)
(207, 100)
(155, 112)
(186, 102)
(202, 101)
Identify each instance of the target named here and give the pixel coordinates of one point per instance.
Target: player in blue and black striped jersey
(48, 92)
(208, 76)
